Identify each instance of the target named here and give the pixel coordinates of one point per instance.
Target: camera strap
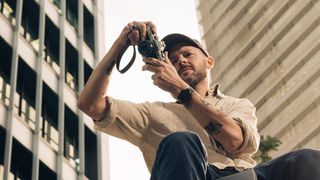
(125, 69)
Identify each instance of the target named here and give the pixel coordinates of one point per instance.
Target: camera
(151, 46)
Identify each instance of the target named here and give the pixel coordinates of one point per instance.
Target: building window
(71, 66)
(49, 121)
(8, 9)
(88, 33)
(72, 13)
(4, 90)
(90, 154)
(25, 110)
(18, 169)
(50, 132)
(2, 147)
(24, 101)
(87, 71)
(46, 173)
(51, 50)
(57, 3)
(71, 145)
(5, 70)
(30, 23)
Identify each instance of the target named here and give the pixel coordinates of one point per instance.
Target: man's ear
(210, 62)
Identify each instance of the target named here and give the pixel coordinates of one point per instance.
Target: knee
(307, 154)
(304, 164)
(180, 136)
(305, 157)
(180, 139)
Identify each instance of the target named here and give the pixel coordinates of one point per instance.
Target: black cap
(172, 39)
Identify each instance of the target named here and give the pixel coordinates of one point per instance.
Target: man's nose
(182, 60)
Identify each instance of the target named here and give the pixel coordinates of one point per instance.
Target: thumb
(166, 58)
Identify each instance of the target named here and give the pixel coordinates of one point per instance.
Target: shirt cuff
(248, 145)
(110, 117)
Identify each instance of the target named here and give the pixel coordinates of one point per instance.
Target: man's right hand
(135, 32)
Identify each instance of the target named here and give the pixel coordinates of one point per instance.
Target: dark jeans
(181, 156)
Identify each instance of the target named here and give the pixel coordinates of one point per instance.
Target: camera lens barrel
(147, 48)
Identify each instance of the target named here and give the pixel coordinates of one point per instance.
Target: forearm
(91, 100)
(218, 125)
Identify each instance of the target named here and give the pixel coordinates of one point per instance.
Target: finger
(143, 31)
(152, 26)
(151, 68)
(132, 33)
(166, 58)
(156, 80)
(141, 27)
(152, 61)
(154, 77)
(132, 26)
(134, 37)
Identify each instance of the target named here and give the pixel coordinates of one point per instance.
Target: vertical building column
(98, 6)
(81, 139)
(13, 83)
(96, 61)
(36, 135)
(61, 90)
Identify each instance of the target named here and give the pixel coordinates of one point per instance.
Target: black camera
(151, 46)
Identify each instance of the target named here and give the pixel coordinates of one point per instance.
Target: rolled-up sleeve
(109, 117)
(243, 112)
(125, 120)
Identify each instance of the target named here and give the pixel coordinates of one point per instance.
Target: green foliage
(266, 145)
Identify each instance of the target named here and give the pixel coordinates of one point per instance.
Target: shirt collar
(214, 91)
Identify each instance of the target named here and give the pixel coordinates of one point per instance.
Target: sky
(170, 16)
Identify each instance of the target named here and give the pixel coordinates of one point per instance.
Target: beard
(195, 78)
(198, 75)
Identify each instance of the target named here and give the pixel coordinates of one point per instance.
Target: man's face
(190, 63)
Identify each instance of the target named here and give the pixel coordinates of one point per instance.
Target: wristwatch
(185, 95)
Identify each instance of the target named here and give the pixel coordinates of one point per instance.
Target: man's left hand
(165, 75)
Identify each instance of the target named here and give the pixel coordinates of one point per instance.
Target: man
(204, 135)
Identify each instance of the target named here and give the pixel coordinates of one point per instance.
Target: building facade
(269, 52)
(48, 51)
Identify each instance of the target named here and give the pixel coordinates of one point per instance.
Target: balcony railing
(52, 62)
(71, 156)
(25, 111)
(4, 91)
(70, 80)
(8, 12)
(34, 42)
(50, 133)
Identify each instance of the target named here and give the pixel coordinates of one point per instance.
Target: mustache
(183, 67)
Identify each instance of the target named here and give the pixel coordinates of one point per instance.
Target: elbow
(84, 107)
(81, 105)
(234, 145)
(87, 109)
(94, 110)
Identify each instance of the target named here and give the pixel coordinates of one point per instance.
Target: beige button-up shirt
(146, 124)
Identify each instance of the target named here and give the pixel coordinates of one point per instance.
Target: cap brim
(173, 39)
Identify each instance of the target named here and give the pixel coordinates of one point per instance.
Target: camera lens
(146, 48)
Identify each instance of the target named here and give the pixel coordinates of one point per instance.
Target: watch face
(185, 95)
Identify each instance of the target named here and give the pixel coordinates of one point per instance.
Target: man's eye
(188, 54)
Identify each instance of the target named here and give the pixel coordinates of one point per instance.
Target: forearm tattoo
(213, 128)
(110, 67)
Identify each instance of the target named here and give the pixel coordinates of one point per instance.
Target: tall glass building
(269, 52)
(48, 51)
